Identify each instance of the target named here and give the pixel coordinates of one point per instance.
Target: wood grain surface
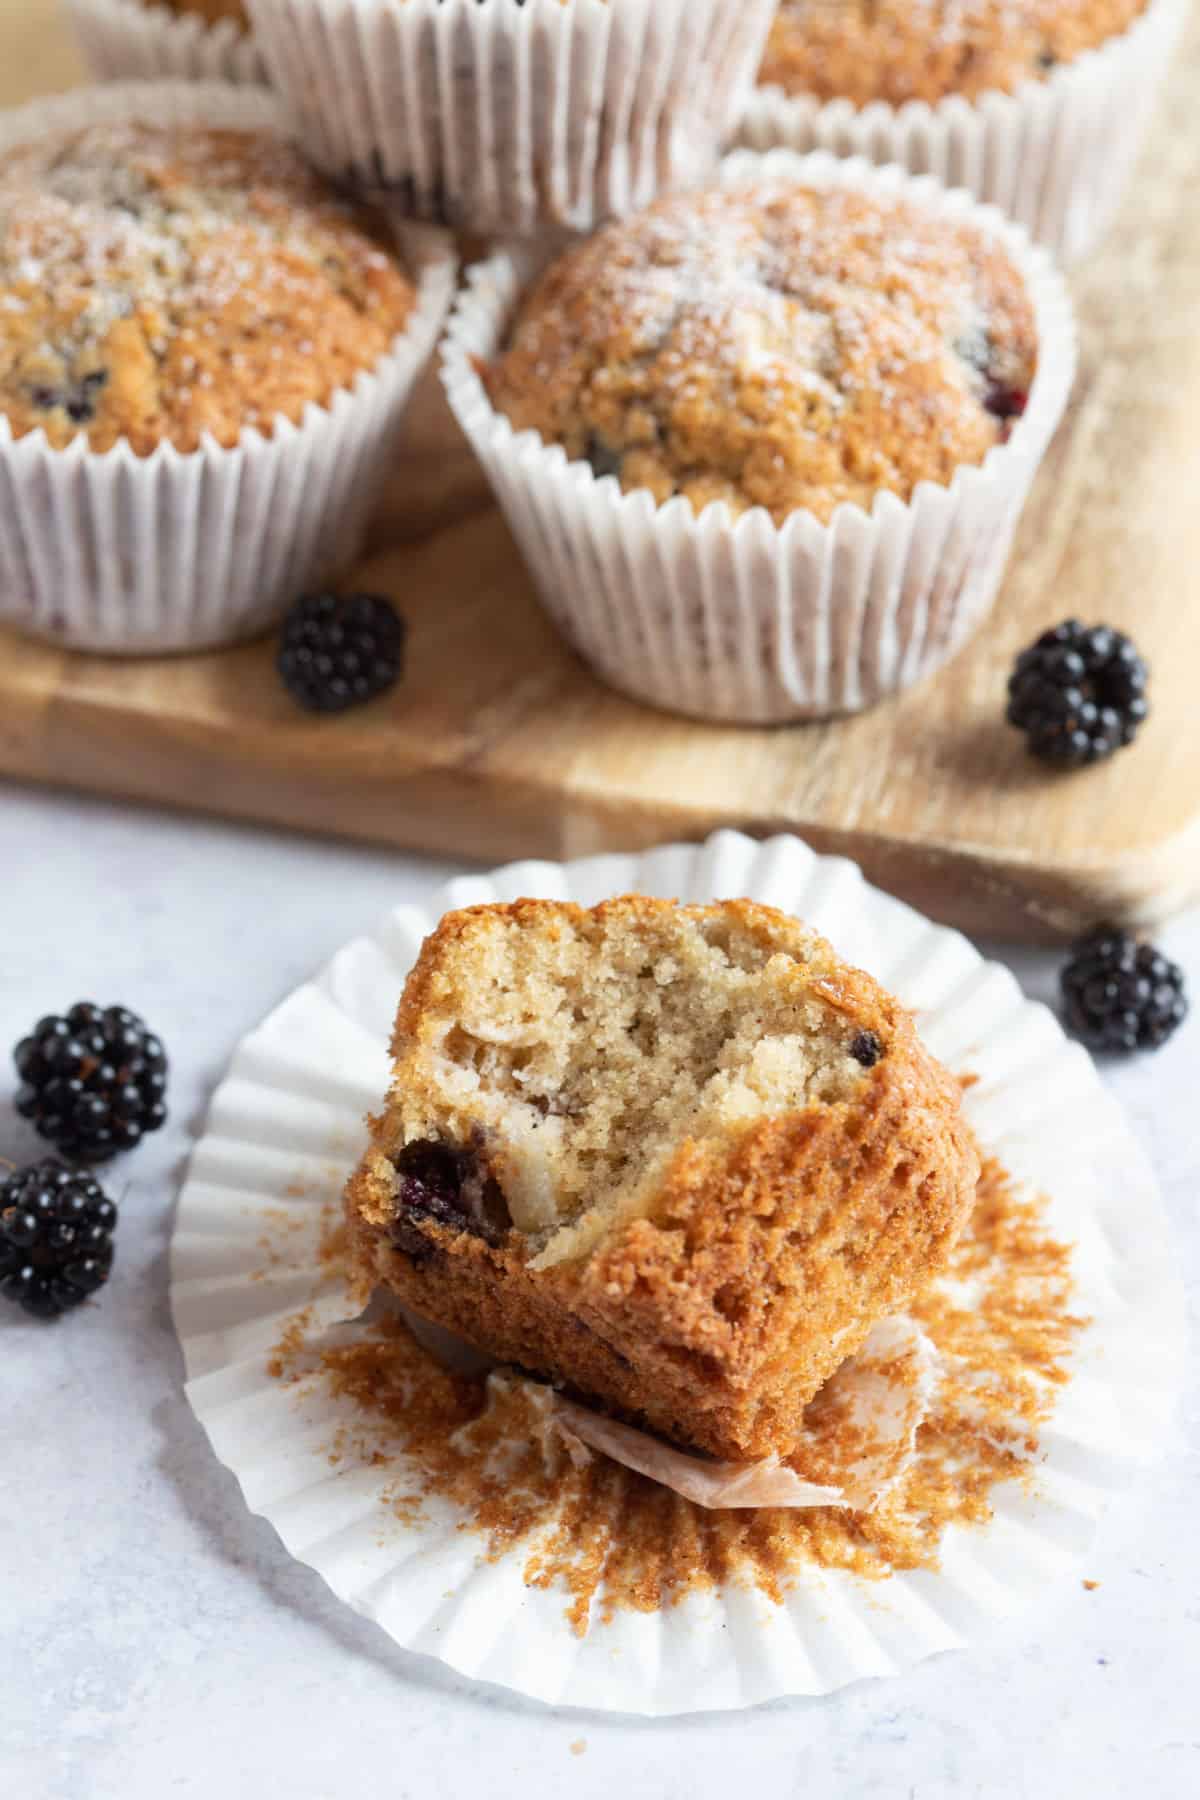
(499, 743)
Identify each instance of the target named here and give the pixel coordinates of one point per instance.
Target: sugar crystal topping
(774, 345)
(148, 260)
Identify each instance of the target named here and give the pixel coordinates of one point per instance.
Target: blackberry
(1122, 995)
(866, 1048)
(93, 1082)
(1006, 403)
(451, 1188)
(336, 652)
(1078, 694)
(56, 1229)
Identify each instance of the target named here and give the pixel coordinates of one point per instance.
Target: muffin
(778, 346)
(189, 40)
(1036, 105)
(764, 446)
(200, 344)
(160, 285)
(677, 1159)
(514, 116)
(895, 51)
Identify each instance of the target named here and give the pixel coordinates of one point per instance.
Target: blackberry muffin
(764, 447)
(778, 346)
(677, 1159)
(901, 50)
(1036, 106)
(195, 40)
(514, 116)
(159, 285)
(205, 353)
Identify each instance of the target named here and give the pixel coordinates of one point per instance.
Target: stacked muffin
(515, 115)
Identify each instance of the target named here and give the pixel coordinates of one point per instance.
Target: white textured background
(156, 1640)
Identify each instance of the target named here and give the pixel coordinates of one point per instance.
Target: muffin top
(156, 284)
(213, 11)
(776, 346)
(899, 50)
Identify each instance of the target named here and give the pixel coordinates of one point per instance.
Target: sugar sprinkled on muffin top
(900, 50)
(773, 346)
(158, 284)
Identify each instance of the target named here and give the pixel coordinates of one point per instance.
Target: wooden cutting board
(500, 744)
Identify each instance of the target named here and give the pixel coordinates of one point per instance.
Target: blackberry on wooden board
(338, 651)
(1078, 694)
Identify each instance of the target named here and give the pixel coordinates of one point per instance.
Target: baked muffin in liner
(511, 116)
(743, 619)
(681, 1159)
(1054, 155)
(177, 550)
(128, 40)
(260, 1303)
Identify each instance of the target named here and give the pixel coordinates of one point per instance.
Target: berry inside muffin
(901, 50)
(679, 1158)
(157, 285)
(773, 346)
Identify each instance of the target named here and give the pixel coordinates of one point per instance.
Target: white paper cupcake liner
(130, 554)
(746, 620)
(285, 1127)
(125, 40)
(503, 118)
(1055, 155)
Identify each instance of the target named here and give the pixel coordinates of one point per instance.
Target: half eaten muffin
(676, 1159)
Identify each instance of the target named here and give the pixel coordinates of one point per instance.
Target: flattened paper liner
(126, 40)
(182, 550)
(285, 1127)
(498, 117)
(883, 1393)
(742, 619)
(1055, 155)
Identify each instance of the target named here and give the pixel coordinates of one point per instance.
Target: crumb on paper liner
(1001, 1325)
(1042, 1416)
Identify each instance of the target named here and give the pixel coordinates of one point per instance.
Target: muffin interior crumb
(587, 1054)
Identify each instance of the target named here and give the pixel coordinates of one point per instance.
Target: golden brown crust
(902, 50)
(843, 986)
(157, 285)
(760, 1264)
(773, 346)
